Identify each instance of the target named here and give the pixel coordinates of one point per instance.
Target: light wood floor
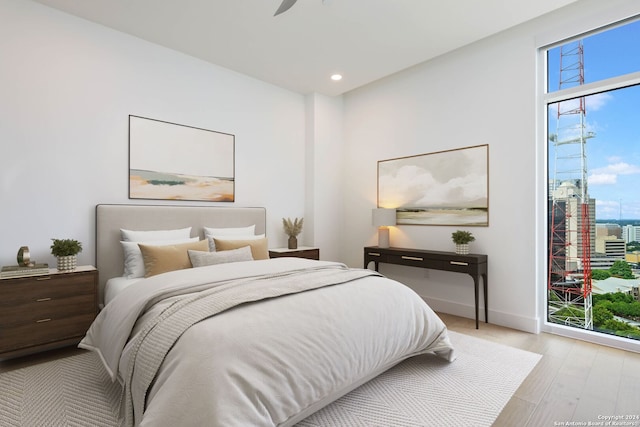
(574, 381)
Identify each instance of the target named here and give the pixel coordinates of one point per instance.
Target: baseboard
(508, 320)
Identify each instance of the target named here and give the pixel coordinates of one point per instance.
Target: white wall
(484, 93)
(325, 165)
(67, 87)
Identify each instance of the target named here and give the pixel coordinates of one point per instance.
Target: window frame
(543, 99)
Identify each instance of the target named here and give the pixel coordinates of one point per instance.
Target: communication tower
(571, 211)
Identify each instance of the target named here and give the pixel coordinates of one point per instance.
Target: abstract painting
(442, 188)
(168, 161)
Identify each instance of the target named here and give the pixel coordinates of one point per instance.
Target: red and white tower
(571, 211)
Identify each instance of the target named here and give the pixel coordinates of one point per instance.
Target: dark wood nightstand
(40, 313)
(300, 252)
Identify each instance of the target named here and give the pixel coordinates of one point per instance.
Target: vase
(293, 242)
(462, 248)
(67, 263)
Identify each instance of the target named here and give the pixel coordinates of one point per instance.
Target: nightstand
(40, 313)
(300, 252)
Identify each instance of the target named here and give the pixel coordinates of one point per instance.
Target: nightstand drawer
(28, 290)
(45, 308)
(43, 331)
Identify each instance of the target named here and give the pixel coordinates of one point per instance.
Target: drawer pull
(374, 254)
(44, 278)
(43, 299)
(43, 320)
(458, 263)
(412, 258)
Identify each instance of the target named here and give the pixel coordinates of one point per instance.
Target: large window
(592, 103)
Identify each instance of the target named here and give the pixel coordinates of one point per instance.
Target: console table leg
(486, 299)
(477, 291)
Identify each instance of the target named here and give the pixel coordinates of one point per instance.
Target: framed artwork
(442, 188)
(168, 161)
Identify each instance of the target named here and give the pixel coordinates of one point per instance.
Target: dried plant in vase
(292, 228)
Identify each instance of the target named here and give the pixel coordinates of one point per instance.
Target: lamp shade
(384, 217)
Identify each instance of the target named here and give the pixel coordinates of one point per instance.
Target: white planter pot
(66, 263)
(462, 249)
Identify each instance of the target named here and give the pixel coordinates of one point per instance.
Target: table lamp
(383, 218)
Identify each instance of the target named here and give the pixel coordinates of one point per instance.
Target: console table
(472, 264)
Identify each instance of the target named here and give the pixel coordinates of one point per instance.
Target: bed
(253, 342)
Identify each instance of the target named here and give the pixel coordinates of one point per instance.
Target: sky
(613, 153)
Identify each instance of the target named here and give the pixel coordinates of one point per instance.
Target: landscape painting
(441, 188)
(168, 161)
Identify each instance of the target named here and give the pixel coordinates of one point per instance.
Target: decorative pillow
(229, 231)
(133, 262)
(201, 259)
(212, 243)
(160, 259)
(258, 246)
(151, 236)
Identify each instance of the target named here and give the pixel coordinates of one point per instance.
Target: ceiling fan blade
(286, 5)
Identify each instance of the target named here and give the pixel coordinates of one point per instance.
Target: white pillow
(201, 259)
(212, 239)
(133, 260)
(153, 235)
(229, 231)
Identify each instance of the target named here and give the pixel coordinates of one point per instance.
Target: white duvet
(271, 362)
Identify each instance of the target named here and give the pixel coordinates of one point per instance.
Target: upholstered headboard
(111, 218)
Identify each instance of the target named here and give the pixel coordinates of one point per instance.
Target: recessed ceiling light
(336, 77)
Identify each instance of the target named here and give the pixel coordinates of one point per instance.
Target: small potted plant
(66, 250)
(292, 228)
(462, 239)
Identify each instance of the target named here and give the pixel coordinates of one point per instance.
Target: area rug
(422, 391)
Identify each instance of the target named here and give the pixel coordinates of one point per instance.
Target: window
(592, 104)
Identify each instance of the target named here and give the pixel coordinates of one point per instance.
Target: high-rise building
(611, 247)
(568, 193)
(605, 229)
(631, 233)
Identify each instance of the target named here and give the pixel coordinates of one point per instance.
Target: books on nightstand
(13, 271)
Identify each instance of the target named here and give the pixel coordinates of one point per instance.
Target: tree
(600, 274)
(601, 315)
(617, 326)
(621, 269)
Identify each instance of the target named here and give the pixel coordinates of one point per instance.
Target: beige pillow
(133, 261)
(160, 259)
(212, 243)
(258, 246)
